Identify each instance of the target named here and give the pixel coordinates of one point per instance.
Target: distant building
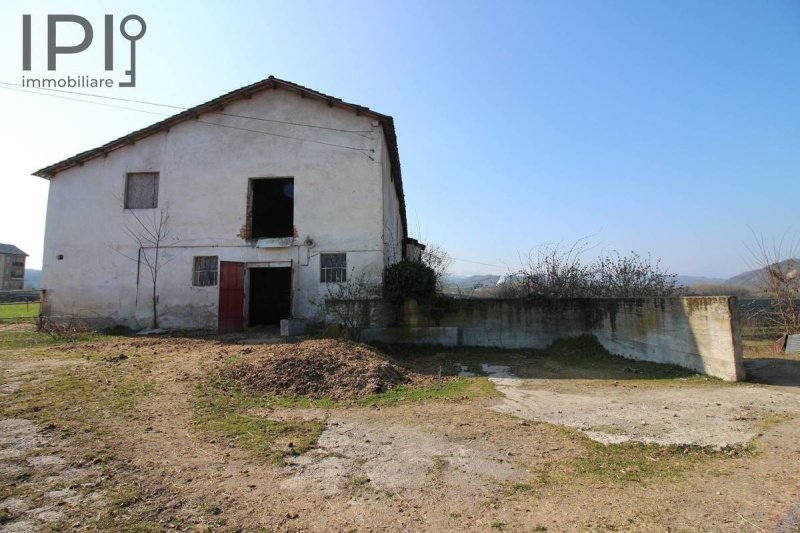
(12, 267)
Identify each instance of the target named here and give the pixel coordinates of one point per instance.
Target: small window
(333, 268)
(205, 271)
(141, 190)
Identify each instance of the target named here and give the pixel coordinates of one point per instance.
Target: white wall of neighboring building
(341, 201)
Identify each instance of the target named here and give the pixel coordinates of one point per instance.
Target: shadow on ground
(574, 358)
(774, 371)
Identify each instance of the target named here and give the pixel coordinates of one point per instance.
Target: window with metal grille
(205, 271)
(332, 268)
(141, 190)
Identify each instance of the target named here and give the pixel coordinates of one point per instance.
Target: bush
(560, 272)
(409, 279)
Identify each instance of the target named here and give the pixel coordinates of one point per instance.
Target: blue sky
(664, 127)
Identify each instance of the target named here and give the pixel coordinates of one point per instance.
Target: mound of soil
(321, 369)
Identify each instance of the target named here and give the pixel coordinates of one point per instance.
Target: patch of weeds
(460, 388)
(439, 464)
(124, 496)
(542, 476)
(774, 419)
(637, 461)
(358, 481)
(498, 526)
(65, 398)
(5, 516)
(222, 410)
(519, 488)
(30, 338)
(212, 510)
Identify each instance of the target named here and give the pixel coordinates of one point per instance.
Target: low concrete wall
(701, 333)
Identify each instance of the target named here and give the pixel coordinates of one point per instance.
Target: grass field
(21, 310)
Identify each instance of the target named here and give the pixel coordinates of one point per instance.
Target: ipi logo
(54, 49)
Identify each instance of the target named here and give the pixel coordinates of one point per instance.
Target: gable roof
(10, 249)
(212, 106)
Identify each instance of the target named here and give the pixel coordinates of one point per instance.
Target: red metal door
(231, 296)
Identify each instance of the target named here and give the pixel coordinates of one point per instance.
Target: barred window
(205, 271)
(332, 268)
(141, 190)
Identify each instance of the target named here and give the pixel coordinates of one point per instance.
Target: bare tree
(436, 257)
(348, 302)
(779, 279)
(150, 235)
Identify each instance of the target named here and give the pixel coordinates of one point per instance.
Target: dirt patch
(355, 450)
(321, 369)
(717, 416)
(137, 461)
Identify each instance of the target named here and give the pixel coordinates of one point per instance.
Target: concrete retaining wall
(701, 333)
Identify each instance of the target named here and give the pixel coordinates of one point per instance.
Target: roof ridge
(210, 106)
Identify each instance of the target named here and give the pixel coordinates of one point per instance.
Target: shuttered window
(141, 190)
(333, 268)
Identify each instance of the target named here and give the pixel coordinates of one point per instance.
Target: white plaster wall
(204, 171)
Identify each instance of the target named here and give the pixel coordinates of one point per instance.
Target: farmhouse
(12, 267)
(237, 212)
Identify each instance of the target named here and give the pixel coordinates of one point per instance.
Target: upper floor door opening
(271, 208)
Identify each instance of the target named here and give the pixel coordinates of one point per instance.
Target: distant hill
(753, 278)
(690, 281)
(747, 281)
(471, 282)
(33, 278)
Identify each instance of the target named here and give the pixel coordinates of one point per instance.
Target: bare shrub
(64, 330)
(437, 258)
(553, 271)
(557, 271)
(348, 302)
(630, 276)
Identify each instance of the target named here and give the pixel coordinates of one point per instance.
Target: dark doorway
(270, 295)
(271, 208)
(231, 297)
